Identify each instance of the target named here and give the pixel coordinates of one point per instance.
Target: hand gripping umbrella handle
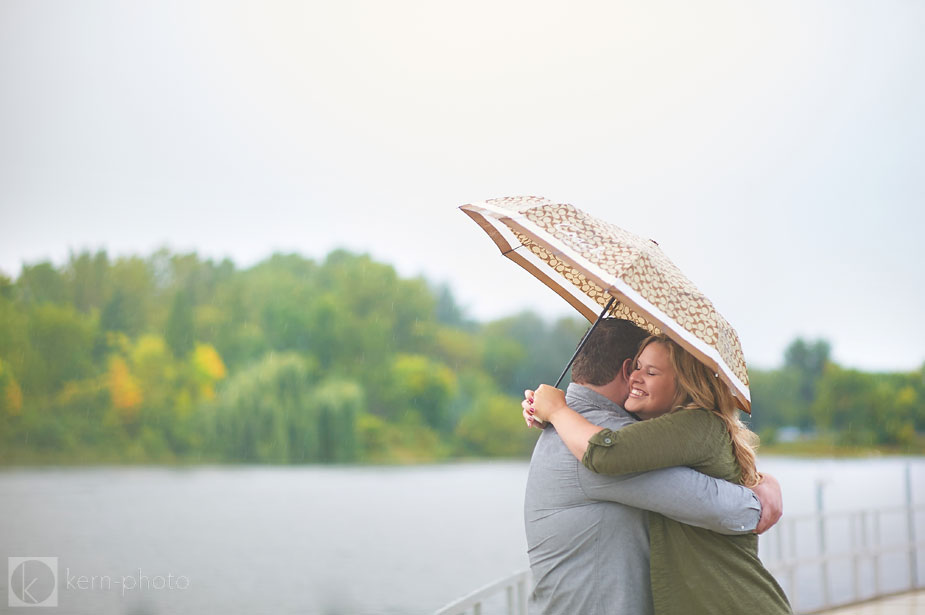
(581, 344)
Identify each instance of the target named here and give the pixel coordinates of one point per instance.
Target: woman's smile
(653, 385)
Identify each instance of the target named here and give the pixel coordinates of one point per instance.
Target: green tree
(266, 413)
(447, 310)
(855, 406)
(238, 336)
(7, 288)
(808, 359)
(339, 404)
(419, 388)
(61, 343)
(88, 276)
(181, 331)
(374, 312)
(523, 351)
(42, 283)
(115, 315)
(494, 428)
(142, 307)
(777, 401)
(14, 334)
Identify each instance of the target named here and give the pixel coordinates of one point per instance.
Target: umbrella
(593, 265)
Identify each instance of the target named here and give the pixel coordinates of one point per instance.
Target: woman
(695, 423)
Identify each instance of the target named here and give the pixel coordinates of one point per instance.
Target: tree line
(813, 398)
(175, 358)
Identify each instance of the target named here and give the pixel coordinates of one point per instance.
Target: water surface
(318, 540)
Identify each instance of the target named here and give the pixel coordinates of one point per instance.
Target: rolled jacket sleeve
(683, 438)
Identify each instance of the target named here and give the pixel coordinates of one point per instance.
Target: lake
(318, 540)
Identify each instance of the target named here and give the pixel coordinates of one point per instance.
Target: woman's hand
(527, 405)
(547, 404)
(547, 401)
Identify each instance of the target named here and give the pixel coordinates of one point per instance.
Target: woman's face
(652, 383)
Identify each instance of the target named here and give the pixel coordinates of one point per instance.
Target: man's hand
(772, 502)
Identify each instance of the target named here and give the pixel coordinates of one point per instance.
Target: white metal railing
(512, 588)
(861, 547)
(852, 537)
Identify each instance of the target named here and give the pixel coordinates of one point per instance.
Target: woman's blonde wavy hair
(698, 387)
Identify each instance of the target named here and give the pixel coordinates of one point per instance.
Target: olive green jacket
(693, 570)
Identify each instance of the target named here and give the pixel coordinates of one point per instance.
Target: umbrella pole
(581, 344)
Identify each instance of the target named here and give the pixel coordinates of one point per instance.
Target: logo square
(33, 581)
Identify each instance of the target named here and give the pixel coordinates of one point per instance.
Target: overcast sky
(774, 150)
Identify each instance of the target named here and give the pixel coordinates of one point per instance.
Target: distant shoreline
(802, 449)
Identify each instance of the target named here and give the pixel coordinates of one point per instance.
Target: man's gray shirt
(587, 534)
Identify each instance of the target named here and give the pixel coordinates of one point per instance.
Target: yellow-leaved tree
(208, 369)
(124, 390)
(10, 393)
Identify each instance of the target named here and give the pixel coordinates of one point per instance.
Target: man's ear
(627, 368)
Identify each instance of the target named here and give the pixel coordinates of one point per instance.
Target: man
(587, 534)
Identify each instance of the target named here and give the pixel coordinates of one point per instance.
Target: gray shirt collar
(581, 399)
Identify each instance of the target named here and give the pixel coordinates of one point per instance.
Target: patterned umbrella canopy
(588, 261)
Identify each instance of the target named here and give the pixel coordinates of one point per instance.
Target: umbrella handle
(581, 344)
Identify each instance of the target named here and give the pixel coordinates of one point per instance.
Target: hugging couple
(643, 496)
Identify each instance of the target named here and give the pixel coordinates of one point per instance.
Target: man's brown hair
(612, 342)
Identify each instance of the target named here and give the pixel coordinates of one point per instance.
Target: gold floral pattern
(567, 239)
